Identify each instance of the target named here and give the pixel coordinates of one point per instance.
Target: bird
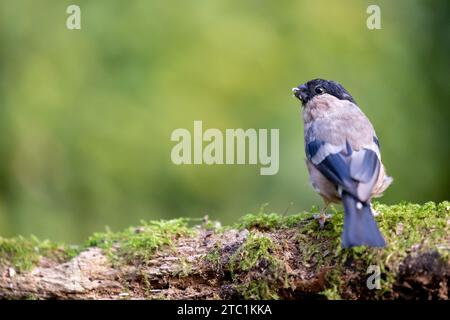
(343, 158)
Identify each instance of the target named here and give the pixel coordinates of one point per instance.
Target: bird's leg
(322, 217)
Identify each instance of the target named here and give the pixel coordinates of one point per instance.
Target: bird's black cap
(312, 88)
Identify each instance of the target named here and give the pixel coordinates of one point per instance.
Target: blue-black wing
(353, 171)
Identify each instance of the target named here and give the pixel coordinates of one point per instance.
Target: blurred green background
(86, 116)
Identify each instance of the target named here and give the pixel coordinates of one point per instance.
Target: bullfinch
(343, 158)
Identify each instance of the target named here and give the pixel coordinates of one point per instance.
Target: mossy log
(263, 256)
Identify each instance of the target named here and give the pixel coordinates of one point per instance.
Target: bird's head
(312, 88)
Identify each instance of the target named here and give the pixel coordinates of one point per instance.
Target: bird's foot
(322, 218)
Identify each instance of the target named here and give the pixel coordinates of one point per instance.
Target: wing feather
(353, 171)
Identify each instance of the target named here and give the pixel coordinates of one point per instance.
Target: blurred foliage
(86, 116)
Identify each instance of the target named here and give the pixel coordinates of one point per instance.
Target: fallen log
(263, 256)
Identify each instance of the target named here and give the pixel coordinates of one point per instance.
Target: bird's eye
(319, 90)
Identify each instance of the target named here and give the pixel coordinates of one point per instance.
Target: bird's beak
(300, 93)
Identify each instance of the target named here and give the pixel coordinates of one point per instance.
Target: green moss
(334, 285)
(406, 228)
(139, 243)
(405, 225)
(260, 221)
(184, 268)
(256, 248)
(23, 253)
(263, 272)
(271, 221)
(133, 244)
(332, 293)
(258, 290)
(214, 258)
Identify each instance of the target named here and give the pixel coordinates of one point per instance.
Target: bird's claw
(322, 218)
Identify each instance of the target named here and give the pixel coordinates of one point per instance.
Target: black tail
(360, 227)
